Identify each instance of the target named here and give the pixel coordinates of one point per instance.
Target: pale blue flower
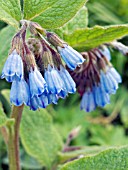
(71, 57)
(52, 98)
(109, 84)
(115, 74)
(101, 97)
(20, 93)
(54, 81)
(36, 82)
(105, 52)
(68, 81)
(42, 101)
(13, 67)
(37, 102)
(88, 103)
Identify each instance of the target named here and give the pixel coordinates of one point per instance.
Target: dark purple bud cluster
(96, 79)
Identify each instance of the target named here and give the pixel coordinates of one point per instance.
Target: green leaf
(34, 8)
(10, 12)
(84, 151)
(28, 162)
(51, 14)
(39, 137)
(80, 20)
(114, 159)
(107, 135)
(92, 37)
(6, 35)
(3, 118)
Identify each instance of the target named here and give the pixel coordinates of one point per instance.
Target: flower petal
(68, 81)
(36, 82)
(88, 102)
(13, 67)
(20, 93)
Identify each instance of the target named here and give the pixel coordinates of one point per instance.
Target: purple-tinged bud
(47, 56)
(96, 80)
(35, 47)
(55, 40)
(29, 58)
(35, 28)
(17, 43)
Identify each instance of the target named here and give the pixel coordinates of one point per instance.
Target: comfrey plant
(39, 79)
(54, 54)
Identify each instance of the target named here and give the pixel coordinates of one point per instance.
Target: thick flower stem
(13, 140)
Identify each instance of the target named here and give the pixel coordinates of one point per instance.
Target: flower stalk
(13, 140)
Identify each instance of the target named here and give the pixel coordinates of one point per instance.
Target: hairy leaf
(92, 37)
(51, 14)
(80, 20)
(6, 35)
(10, 12)
(114, 158)
(34, 8)
(85, 151)
(39, 137)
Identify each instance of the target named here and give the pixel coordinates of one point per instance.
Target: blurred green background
(105, 126)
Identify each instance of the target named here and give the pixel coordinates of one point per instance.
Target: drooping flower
(96, 79)
(101, 97)
(37, 83)
(20, 93)
(13, 67)
(54, 73)
(68, 81)
(71, 57)
(37, 102)
(88, 101)
(42, 101)
(54, 81)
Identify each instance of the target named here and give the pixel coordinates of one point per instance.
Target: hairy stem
(4, 134)
(13, 140)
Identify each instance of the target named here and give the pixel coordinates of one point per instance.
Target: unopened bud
(55, 40)
(17, 43)
(35, 28)
(35, 46)
(47, 56)
(30, 59)
(74, 133)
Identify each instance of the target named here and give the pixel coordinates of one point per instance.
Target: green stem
(13, 140)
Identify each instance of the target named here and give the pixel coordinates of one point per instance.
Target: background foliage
(43, 133)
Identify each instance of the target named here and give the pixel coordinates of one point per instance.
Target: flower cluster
(96, 79)
(35, 68)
